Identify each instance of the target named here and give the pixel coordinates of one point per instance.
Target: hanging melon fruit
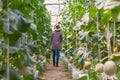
(115, 49)
(99, 68)
(87, 65)
(109, 68)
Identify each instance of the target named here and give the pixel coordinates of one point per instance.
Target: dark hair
(57, 26)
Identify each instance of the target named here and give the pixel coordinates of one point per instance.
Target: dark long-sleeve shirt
(56, 39)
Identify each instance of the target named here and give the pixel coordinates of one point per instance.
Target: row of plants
(91, 30)
(24, 37)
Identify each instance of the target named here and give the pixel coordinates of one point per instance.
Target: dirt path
(57, 73)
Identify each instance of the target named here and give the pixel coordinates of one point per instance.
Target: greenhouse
(59, 39)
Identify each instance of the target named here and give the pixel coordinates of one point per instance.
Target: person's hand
(50, 46)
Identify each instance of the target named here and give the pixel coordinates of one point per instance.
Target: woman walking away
(56, 39)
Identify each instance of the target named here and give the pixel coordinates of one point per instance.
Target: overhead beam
(54, 15)
(54, 3)
(53, 21)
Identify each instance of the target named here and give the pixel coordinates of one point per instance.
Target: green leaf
(6, 27)
(96, 38)
(115, 12)
(93, 75)
(31, 47)
(28, 60)
(105, 17)
(41, 68)
(10, 22)
(2, 46)
(13, 49)
(118, 73)
(48, 56)
(17, 61)
(80, 11)
(93, 10)
(23, 25)
(83, 78)
(83, 35)
(15, 75)
(2, 58)
(42, 1)
(13, 38)
(1, 28)
(16, 4)
(41, 48)
(33, 26)
(34, 33)
(2, 72)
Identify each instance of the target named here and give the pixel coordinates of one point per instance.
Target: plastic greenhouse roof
(54, 7)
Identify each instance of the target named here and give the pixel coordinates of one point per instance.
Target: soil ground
(57, 73)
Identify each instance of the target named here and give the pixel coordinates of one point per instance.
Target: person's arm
(61, 37)
(51, 40)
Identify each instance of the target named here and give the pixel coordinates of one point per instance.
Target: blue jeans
(56, 55)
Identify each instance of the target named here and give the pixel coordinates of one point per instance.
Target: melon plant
(22, 35)
(92, 36)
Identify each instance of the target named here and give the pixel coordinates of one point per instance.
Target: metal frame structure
(54, 7)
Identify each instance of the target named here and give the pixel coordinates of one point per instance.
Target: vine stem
(8, 70)
(97, 26)
(114, 44)
(7, 43)
(108, 41)
(75, 23)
